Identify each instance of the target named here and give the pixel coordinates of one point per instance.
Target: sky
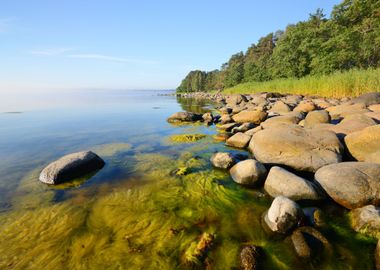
(124, 44)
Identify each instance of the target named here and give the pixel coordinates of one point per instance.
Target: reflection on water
(137, 212)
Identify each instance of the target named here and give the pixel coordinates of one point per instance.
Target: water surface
(138, 212)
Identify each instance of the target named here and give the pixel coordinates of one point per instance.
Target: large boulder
(249, 173)
(281, 182)
(184, 117)
(280, 107)
(283, 215)
(296, 147)
(306, 106)
(351, 184)
(343, 110)
(364, 145)
(70, 167)
(222, 160)
(368, 99)
(255, 117)
(287, 119)
(366, 220)
(316, 117)
(238, 140)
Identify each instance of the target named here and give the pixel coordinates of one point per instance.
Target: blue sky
(131, 44)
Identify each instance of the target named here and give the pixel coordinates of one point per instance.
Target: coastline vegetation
(333, 56)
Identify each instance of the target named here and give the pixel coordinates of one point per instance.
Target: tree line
(350, 38)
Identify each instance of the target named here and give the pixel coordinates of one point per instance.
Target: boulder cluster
(304, 149)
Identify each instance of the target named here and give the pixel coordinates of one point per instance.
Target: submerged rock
(248, 173)
(281, 182)
(249, 257)
(198, 250)
(366, 220)
(296, 147)
(308, 242)
(222, 160)
(184, 117)
(283, 215)
(71, 166)
(351, 184)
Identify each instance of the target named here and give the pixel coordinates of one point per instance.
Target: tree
(234, 70)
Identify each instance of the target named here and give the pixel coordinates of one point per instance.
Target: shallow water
(151, 203)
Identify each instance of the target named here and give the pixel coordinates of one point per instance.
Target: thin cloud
(52, 51)
(108, 58)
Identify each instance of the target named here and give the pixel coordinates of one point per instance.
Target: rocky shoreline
(301, 148)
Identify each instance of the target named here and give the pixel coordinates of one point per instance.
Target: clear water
(135, 213)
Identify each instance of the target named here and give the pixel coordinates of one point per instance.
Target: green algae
(158, 224)
(110, 149)
(186, 138)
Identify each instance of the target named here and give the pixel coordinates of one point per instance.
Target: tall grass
(339, 84)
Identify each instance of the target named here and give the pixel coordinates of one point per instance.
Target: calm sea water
(137, 212)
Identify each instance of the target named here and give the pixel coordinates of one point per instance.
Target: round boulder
(296, 147)
(351, 184)
(316, 117)
(238, 140)
(222, 160)
(283, 215)
(366, 220)
(70, 167)
(255, 117)
(248, 173)
(281, 182)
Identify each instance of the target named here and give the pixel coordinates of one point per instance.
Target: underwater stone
(283, 215)
(71, 166)
(248, 173)
(222, 160)
(184, 117)
(249, 257)
(308, 241)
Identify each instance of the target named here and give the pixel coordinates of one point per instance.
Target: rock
(228, 127)
(249, 257)
(364, 145)
(70, 167)
(238, 140)
(374, 115)
(225, 119)
(280, 107)
(306, 107)
(221, 137)
(249, 173)
(351, 184)
(253, 130)
(281, 182)
(184, 117)
(368, 99)
(296, 147)
(366, 220)
(222, 160)
(279, 120)
(236, 99)
(208, 117)
(307, 242)
(255, 117)
(283, 215)
(316, 117)
(374, 108)
(225, 110)
(343, 110)
(243, 128)
(198, 250)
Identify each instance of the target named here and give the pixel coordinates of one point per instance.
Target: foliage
(349, 39)
(338, 84)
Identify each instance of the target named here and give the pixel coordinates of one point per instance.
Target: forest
(349, 39)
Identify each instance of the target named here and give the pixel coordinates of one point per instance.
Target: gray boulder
(222, 160)
(184, 117)
(70, 167)
(248, 173)
(366, 220)
(296, 147)
(281, 182)
(368, 99)
(351, 184)
(238, 140)
(283, 215)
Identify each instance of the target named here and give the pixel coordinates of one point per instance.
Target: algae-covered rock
(366, 220)
(186, 138)
(249, 257)
(71, 166)
(222, 160)
(198, 250)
